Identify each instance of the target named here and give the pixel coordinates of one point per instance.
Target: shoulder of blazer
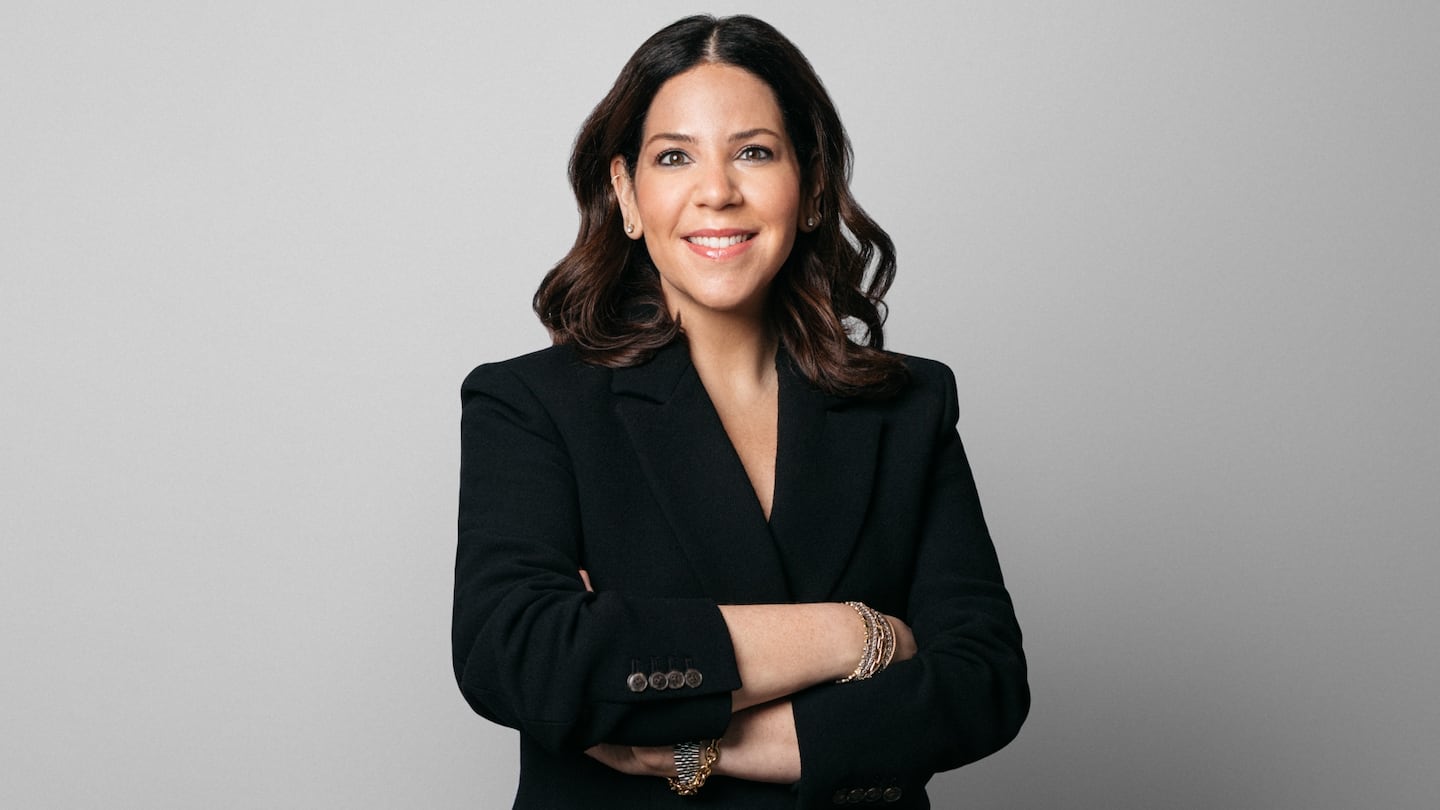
(926, 371)
(560, 379)
(548, 366)
(929, 394)
(556, 378)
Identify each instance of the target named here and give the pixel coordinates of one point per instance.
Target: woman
(716, 531)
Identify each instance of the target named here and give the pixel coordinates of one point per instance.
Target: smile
(719, 241)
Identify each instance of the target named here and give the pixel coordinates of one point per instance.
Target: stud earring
(811, 222)
(630, 227)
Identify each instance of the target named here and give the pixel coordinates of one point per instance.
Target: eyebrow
(683, 138)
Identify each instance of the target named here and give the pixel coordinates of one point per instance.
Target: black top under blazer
(628, 473)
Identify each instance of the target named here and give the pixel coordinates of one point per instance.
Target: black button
(840, 796)
(637, 682)
(857, 795)
(872, 795)
(893, 794)
(658, 680)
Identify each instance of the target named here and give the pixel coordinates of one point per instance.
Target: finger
(604, 754)
(585, 578)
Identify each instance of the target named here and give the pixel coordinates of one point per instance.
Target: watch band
(693, 763)
(687, 761)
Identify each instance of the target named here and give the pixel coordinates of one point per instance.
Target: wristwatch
(693, 761)
(687, 762)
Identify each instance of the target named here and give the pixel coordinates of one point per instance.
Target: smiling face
(716, 191)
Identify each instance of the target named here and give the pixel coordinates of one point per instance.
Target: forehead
(713, 100)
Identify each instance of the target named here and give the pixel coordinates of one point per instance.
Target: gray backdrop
(1182, 256)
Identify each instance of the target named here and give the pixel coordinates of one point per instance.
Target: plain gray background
(1182, 257)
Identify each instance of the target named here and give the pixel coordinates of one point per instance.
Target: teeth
(716, 241)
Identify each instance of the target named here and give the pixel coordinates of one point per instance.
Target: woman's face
(716, 192)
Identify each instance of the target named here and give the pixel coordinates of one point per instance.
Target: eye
(672, 157)
(755, 154)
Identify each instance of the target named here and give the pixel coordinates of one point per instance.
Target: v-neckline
(735, 453)
(825, 462)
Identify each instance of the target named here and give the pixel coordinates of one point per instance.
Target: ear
(625, 196)
(810, 210)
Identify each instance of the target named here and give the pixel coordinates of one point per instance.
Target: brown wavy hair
(826, 303)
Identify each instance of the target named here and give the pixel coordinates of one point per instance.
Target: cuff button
(693, 678)
(893, 794)
(658, 681)
(637, 682)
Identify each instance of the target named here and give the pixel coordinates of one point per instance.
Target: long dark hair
(604, 297)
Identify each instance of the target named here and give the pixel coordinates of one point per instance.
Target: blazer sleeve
(964, 695)
(532, 648)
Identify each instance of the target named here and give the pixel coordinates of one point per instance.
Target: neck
(734, 353)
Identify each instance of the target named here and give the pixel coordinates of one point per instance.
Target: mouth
(719, 242)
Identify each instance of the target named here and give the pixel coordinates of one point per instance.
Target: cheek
(657, 201)
(785, 199)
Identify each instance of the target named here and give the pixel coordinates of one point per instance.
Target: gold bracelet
(691, 784)
(887, 642)
(879, 648)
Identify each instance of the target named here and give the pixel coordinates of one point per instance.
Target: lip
(719, 253)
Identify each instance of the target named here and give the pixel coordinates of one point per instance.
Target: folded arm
(535, 650)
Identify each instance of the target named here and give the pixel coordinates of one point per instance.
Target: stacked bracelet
(879, 648)
(693, 763)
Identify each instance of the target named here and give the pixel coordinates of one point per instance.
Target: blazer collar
(657, 378)
(697, 479)
(824, 471)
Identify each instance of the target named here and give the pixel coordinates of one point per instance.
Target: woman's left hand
(634, 759)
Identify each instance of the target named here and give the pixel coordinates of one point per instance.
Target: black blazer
(629, 474)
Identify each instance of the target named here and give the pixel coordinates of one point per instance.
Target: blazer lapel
(697, 478)
(824, 473)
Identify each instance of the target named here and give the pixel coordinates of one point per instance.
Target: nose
(717, 186)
